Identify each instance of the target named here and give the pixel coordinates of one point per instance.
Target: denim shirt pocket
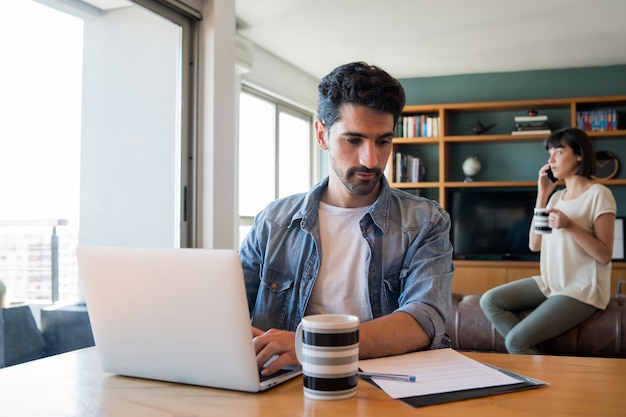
(275, 297)
(276, 281)
(394, 285)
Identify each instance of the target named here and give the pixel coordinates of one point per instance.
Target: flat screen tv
(491, 224)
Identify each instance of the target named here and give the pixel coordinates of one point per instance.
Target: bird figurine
(479, 128)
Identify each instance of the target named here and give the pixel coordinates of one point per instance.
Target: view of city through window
(90, 139)
(40, 80)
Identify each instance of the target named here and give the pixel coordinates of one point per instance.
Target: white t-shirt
(566, 269)
(341, 285)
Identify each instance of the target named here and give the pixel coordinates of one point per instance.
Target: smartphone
(550, 175)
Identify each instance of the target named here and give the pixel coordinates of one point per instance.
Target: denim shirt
(409, 264)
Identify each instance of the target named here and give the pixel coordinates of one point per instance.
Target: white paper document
(436, 371)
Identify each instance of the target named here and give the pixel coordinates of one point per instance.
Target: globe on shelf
(471, 167)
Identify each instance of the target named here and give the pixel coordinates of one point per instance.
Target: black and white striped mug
(327, 346)
(542, 225)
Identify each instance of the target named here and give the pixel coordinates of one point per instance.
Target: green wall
(524, 85)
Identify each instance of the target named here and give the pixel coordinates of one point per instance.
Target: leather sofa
(602, 335)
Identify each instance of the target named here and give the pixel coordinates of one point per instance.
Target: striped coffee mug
(542, 225)
(327, 346)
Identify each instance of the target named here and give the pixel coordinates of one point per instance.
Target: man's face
(358, 144)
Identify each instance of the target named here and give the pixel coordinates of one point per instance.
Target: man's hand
(272, 343)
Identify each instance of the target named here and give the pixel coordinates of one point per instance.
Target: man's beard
(357, 186)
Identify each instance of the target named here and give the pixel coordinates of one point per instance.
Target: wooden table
(72, 384)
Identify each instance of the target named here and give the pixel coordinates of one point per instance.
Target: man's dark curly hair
(361, 84)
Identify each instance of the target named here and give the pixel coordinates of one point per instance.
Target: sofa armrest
(468, 327)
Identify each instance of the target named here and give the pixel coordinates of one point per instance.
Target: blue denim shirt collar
(379, 211)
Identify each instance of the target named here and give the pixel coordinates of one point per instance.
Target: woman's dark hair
(362, 84)
(580, 143)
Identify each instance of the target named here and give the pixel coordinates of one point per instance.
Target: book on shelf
(537, 118)
(532, 132)
(417, 126)
(521, 127)
(597, 120)
(397, 166)
(530, 128)
(531, 125)
(408, 168)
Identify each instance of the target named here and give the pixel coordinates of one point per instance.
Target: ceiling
(416, 38)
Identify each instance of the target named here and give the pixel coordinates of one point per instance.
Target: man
(351, 244)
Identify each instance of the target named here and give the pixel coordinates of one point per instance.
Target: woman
(575, 261)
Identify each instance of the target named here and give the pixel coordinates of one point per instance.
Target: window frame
(282, 106)
(188, 21)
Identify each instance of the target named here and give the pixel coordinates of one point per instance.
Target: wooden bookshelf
(443, 155)
(452, 134)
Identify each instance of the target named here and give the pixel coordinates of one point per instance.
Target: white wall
(279, 78)
(219, 88)
(217, 143)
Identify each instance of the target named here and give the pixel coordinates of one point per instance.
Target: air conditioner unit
(244, 55)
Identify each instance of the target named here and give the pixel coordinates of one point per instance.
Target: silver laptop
(178, 315)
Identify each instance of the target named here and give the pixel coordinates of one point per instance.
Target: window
(92, 138)
(40, 111)
(95, 137)
(275, 153)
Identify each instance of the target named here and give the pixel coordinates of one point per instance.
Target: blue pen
(393, 377)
